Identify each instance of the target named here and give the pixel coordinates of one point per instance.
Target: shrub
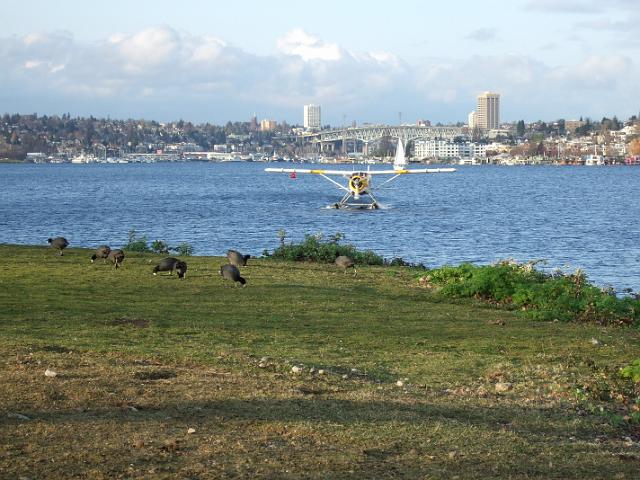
(139, 244)
(159, 246)
(282, 234)
(313, 248)
(632, 371)
(400, 262)
(544, 296)
(183, 249)
(135, 243)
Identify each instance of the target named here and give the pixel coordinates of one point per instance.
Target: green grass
(141, 359)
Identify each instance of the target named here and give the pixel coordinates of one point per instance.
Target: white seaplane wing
(315, 171)
(348, 173)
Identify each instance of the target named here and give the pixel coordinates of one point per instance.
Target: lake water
(574, 217)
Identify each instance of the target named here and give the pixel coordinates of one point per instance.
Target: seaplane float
(359, 186)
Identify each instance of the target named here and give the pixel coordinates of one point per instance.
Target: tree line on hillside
(20, 134)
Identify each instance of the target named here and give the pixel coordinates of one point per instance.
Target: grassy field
(305, 373)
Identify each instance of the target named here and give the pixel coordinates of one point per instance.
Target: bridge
(376, 133)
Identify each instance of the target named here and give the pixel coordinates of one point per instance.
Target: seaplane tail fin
(400, 161)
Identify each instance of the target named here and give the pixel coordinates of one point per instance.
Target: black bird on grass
(59, 243)
(237, 259)
(101, 252)
(346, 262)
(169, 265)
(116, 257)
(231, 272)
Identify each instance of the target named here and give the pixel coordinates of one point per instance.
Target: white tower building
(472, 120)
(312, 116)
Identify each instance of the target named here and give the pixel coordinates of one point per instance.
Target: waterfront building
(488, 111)
(220, 148)
(447, 150)
(312, 117)
(177, 148)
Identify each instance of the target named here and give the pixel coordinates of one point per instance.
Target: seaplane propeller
(359, 183)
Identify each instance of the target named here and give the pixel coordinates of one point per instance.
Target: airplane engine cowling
(358, 184)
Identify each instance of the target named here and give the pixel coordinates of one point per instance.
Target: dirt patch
(136, 322)
(212, 423)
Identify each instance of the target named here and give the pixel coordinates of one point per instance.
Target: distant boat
(468, 161)
(84, 158)
(594, 160)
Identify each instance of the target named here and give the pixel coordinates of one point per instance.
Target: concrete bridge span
(371, 134)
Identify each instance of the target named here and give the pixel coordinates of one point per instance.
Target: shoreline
(524, 163)
(624, 292)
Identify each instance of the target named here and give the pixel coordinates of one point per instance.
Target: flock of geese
(229, 271)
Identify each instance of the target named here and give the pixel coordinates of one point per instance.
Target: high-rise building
(472, 120)
(488, 111)
(312, 116)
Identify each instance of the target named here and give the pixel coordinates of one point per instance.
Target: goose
(231, 272)
(59, 243)
(169, 265)
(346, 262)
(116, 257)
(237, 259)
(101, 252)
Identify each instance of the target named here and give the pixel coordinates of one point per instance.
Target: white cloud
(147, 49)
(207, 49)
(165, 74)
(308, 47)
(595, 72)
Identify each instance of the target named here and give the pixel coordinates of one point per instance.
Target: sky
(362, 61)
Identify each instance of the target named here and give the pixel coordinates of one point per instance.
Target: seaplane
(359, 186)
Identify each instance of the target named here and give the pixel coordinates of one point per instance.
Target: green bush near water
(314, 249)
(135, 243)
(557, 296)
(141, 245)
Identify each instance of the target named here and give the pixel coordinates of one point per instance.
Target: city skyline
(204, 63)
